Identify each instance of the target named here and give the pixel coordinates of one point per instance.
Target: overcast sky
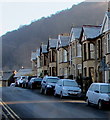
(14, 13)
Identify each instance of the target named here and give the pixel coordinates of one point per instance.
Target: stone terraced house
(84, 53)
(52, 57)
(63, 56)
(75, 52)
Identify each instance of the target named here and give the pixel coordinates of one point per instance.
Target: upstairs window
(78, 49)
(73, 51)
(65, 56)
(108, 43)
(53, 56)
(49, 56)
(91, 51)
(99, 49)
(60, 56)
(84, 52)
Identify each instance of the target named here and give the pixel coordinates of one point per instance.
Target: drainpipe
(95, 62)
(82, 65)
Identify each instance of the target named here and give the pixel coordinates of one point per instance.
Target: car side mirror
(96, 91)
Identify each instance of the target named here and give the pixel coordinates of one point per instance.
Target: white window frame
(65, 56)
(108, 43)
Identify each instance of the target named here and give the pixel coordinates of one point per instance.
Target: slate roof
(53, 43)
(38, 52)
(91, 31)
(23, 72)
(106, 23)
(75, 32)
(33, 56)
(108, 13)
(44, 48)
(7, 75)
(64, 41)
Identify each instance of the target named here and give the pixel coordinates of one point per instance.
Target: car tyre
(45, 91)
(31, 87)
(41, 91)
(55, 94)
(100, 105)
(22, 85)
(88, 103)
(25, 86)
(61, 95)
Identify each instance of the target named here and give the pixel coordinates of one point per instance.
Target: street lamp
(22, 67)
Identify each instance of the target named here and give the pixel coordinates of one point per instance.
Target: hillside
(18, 44)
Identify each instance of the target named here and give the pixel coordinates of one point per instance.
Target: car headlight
(107, 98)
(65, 89)
(79, 90)
(49, 86)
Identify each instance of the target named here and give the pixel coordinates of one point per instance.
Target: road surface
(28, 103)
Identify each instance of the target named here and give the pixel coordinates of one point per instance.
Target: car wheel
(31, 86)
(100, 105)
(20, 85)
(45, 92)
(61, 95)
(55, 94)
(88, 103)
(41, 90)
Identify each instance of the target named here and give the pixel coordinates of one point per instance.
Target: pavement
(27, 103)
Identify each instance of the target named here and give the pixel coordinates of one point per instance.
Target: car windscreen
(70, 83)
(105, 88)
(37, 79)
(52, 80)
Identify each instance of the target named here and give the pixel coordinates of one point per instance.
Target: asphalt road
(28, 103)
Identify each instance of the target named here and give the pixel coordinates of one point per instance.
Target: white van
(67, 87)
(99, 94)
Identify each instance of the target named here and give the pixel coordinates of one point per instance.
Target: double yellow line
(9, 111)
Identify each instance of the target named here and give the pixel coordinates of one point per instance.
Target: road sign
(103, 65)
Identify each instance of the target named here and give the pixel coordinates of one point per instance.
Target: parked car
(48, 84)
(26, 80)
(19, 80)
(34, 83)
(99, 94)
(67, 87)
(12, 85)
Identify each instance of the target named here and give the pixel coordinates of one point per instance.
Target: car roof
(101, 83)
(36, 78)
(67, 80)
(50, 77)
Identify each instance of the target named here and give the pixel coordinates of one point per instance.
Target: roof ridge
(91, 26)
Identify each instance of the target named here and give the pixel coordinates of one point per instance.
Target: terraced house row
(83, 54)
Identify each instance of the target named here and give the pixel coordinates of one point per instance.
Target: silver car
(99, 94)
(67, 87)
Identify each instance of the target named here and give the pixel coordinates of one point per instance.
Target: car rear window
(52, 80)
(70, 83)
(38, 79)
